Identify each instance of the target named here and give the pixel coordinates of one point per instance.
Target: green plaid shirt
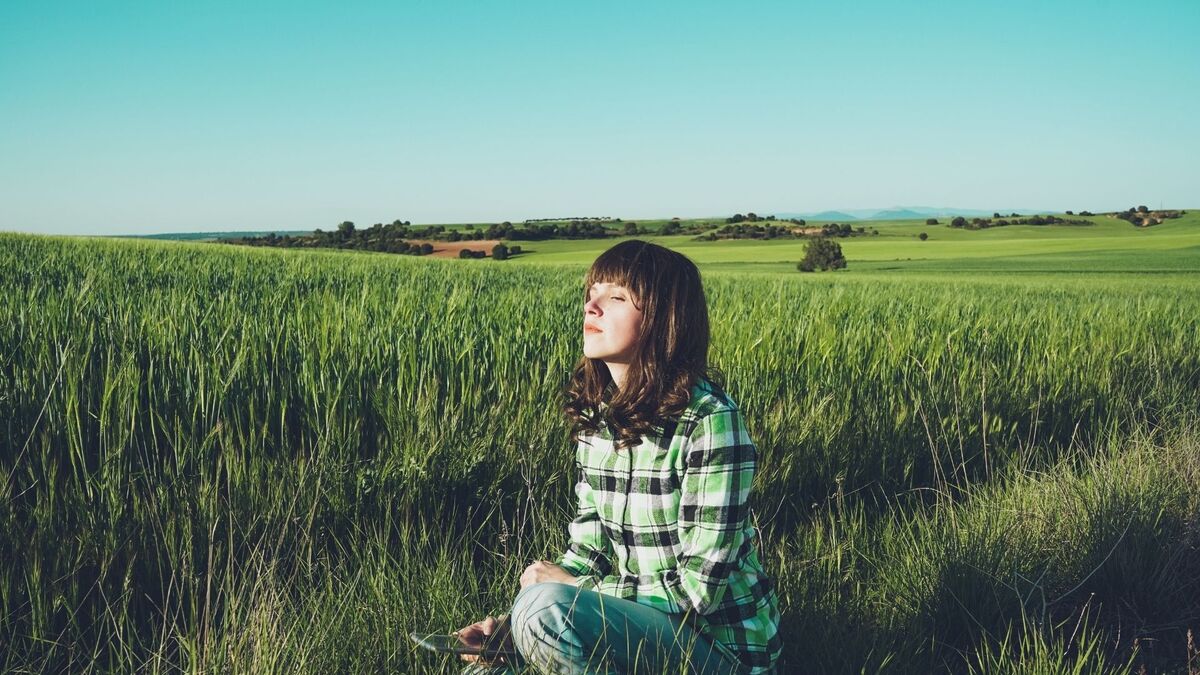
(667, 524)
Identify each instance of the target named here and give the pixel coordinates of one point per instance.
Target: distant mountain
(899, 214)
(829, 215)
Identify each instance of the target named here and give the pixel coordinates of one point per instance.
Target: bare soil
(450, 249)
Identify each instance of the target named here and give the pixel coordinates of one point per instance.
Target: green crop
(222, 459)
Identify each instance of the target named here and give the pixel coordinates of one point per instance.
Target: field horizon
(1108, 245)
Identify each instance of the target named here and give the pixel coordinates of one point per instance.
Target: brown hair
(672, 353)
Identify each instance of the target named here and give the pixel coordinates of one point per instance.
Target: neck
(617, 371)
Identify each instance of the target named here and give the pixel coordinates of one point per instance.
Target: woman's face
(610, 323)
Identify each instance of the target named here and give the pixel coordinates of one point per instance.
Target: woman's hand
(478, 633)
(544, 570)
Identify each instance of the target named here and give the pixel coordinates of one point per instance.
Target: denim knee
(538, 599)
(541, 620)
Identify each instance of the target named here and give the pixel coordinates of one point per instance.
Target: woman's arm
(588, 555)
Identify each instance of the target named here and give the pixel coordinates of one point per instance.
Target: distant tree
(426, 248)
(514, 250)
(466, 253)
(1085, 213)
(996, 214)
(1070, 213)
(821, 253)
(958, 221)
(500, 252)
(1142, 209)
(670, 227)
(931, 221)
(923, 236)
(630, 229)
(346, 229)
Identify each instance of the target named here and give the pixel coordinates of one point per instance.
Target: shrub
(466, 253)
(958, 221)
(500, 252)
(822, 253)
(426, 248)
(931, 221)
(923, 236)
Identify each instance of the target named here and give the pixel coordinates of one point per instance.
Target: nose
(591, 307)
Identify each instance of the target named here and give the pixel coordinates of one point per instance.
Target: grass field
(226, 459)
(1108, 245)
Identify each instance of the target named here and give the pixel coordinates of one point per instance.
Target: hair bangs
(623, 265)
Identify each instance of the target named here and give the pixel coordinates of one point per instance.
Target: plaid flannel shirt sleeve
(588, 555)
(713, 509)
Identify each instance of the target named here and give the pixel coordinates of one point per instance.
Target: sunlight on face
(610, 323)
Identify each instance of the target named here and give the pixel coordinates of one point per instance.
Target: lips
(589, 328)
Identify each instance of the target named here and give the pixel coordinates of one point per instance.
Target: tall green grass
(221, 459)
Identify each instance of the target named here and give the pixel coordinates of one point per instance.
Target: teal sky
(169, 117)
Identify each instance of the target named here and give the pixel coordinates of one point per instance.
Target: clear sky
(171, 117)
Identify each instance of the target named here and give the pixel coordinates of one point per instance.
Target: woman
(661, 573)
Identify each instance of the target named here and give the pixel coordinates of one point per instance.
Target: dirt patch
(450, 249)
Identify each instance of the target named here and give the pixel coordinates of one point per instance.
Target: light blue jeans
(558, 628)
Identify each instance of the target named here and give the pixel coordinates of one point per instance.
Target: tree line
(393, 237)
(743, 230)
(999, 221)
